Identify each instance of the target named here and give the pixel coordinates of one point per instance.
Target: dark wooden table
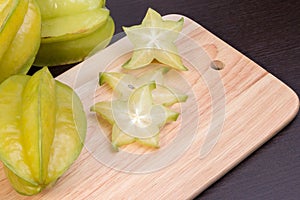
(268, 32)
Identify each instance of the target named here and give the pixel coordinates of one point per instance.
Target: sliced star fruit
(42, 129)
(167, 96)
(121, 83)
(154, 40)
(104, 109)
(137, 119)
(124, 84)
(119, 138)
(134, 116)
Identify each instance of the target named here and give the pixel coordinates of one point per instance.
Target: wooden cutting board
(229, 114)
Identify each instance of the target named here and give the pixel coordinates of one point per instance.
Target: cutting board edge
(289, 119)
(251, 151)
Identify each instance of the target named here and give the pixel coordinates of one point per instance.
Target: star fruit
(154, 40)
(141, 108)
(136, 120)
(20, 30)
(123, 85)
(72, 29)
(42, 129)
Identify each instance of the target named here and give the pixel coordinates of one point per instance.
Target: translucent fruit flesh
(154, 40)
(123, 84)
(135, 120)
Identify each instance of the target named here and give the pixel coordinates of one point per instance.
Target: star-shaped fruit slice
(124, 84)
(137, 119)
(154, 40)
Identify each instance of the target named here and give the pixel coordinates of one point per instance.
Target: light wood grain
(257, 106)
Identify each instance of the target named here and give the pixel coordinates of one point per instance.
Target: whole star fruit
(73, 26)
(59, 8)
(42, 130)
(153, 40)
(72, 30)
(21, 52)
(72, 51)
(12, 18)
(20, 29)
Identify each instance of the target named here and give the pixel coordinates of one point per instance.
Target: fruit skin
(72, 30)
(59, 8)
(74, 26)
(71, 126)
(38, 122)
(5, 10)
(12, 23)
(10, 138)
(20, 185)
(21, 52)
(42, 129)
(72, 51)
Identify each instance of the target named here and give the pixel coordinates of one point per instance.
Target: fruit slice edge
(104, 109)
(166, 96)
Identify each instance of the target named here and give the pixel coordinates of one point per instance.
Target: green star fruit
(154, 39)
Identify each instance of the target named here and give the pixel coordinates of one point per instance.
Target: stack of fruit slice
(142, 108)
(20, 28)
(71, 29)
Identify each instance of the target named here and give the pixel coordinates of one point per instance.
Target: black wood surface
(268, 32)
